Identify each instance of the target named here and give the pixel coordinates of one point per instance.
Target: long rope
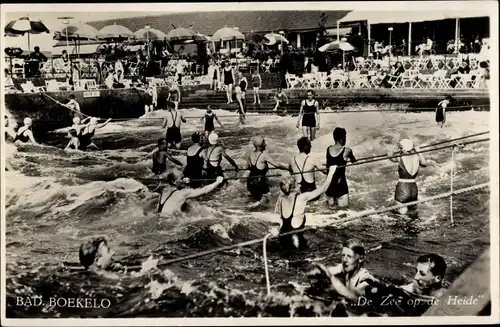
(347, 165)
(76, 111)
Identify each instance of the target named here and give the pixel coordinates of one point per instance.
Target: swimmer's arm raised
(103, 124)
(217, 119)
(308, 196)
(193, 193)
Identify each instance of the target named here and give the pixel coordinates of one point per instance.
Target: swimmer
(304, 176)
(24, 134)
(174, 96)
(339, 155)
(441, 112)
(309, 116)
(194, 161)
(428, 280)
(172, 122)
(281, 100)
(228, 80)
(74, 142)
(258, 162)
(291, 207)
(406, 189)
(160, 157)
(79, 125)
(88, 132)
(178, 191)
(212, 157)
(96, 254)
(209, 121)
(349, 278)
(73, 105)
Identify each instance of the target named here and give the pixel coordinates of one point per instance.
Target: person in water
(174, 196)
(174, 96)
(212, 157)
(172, 122)
(160, 157)
(281, 100)
(309, 116)
(88, 132)
(256, 84)
(194, 161)
(24, 134)
(74, 142)
(303, 167)
(209, 121)
(409, 164)
(428, 280)
(291, 207)
(339, 155)
(258, 162)
(441, 111)
(96, 254)
(148, 96)
(228, 80)
(349, 278)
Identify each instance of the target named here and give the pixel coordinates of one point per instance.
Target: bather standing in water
(24, 134)
(96, 254)
(172, 122)
(194, 161)
(303, 167)
(160, 157)
(409, 164)
(178, 191)
(88, 132)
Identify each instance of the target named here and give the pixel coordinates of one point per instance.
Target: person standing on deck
(194, 161)
(24, 134)
(409, 164)
(309, 116)
(88, 132)
(209, 121)
(172, 122)
(281, 100)
(257, 85)
(240, 90)
(339, 155)
(174, 96)
(291, 207)
(303, 167)
(228, 80)
(212, 157)
(258, 162)
(73, 105)
(214, 73)
(441, 112)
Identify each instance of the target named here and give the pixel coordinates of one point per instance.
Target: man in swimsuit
(88, 132)
(292, 206)
(194, 161)
(175, 195)
(173, 121)
(258, 162)
(96, 254)
(212, 157)
(428, 280)
(174, 96)
(303, 167)
(309, 116)
(441, 112)
(209, 121)
(406, 189)
(228, 80)
(160, 157)
(281, 100)
(339, 155)
(24, 134)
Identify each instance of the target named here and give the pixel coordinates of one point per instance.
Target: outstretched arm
(103, 124)
(270, 161)
(165, 121)
(175, 161)
(193, 193)
(183, 118)
(308, 196)
(217, 119)
(228, 158)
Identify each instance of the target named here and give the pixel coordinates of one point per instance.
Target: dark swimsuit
(213, 171)
(21, 137)
(338, 186)
(304, 185)
(209, 123)
(243, 86)
(161, 204)
(256, 181)
(228, 76)
(174, 96)
(406, 191)
(193, 169)
(86, 139)
(174, 132)
(440, 113)
(287, 240)
(309, 118)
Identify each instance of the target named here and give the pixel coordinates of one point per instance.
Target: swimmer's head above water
(339, 135)
(259, 143)
(288, 185)
(27, 121)
(213, 139)
(304, 145)
(195, 137)
(406, 145)
(91, 251)
(162, 143)
(431, 269)
(76, 120)
(353, 255)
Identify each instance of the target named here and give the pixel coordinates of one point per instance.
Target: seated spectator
(118, 80)
(394, 76)
(33, 65)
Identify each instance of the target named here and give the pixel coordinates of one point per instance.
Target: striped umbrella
(146, 34)
(115, 32)
(182, 34)
(25, 25)
(227, 34)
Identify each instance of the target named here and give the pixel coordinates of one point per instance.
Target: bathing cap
(213, 138)
(27, 120)
(257, 141)
(406, 145)
(94, 120)
(76, 120)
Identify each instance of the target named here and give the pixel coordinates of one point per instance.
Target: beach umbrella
(25, 25)
(227, 34)
(115, 32)
(75, 31)
(182, 34)
(147, 33)
(256, 38)
(337, 45)
(276, 38)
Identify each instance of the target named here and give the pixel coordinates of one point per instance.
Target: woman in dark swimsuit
(194, 162)
(209, 121)
(309, 116)
(24, 134)
(228, 76)
(257, 181)
(338, 155)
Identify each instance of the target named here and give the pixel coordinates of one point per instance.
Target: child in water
(74, 142)
(98, 255)
(160, 157)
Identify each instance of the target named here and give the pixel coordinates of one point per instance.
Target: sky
(94, 12)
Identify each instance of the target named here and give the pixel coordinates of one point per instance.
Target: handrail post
(266, 268)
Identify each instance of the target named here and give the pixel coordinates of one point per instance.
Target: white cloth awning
(342, 31)
(388, 17)
(82, 49)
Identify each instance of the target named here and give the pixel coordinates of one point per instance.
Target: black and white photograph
(213, 161)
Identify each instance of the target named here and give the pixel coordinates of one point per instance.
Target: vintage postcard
(278, 163)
